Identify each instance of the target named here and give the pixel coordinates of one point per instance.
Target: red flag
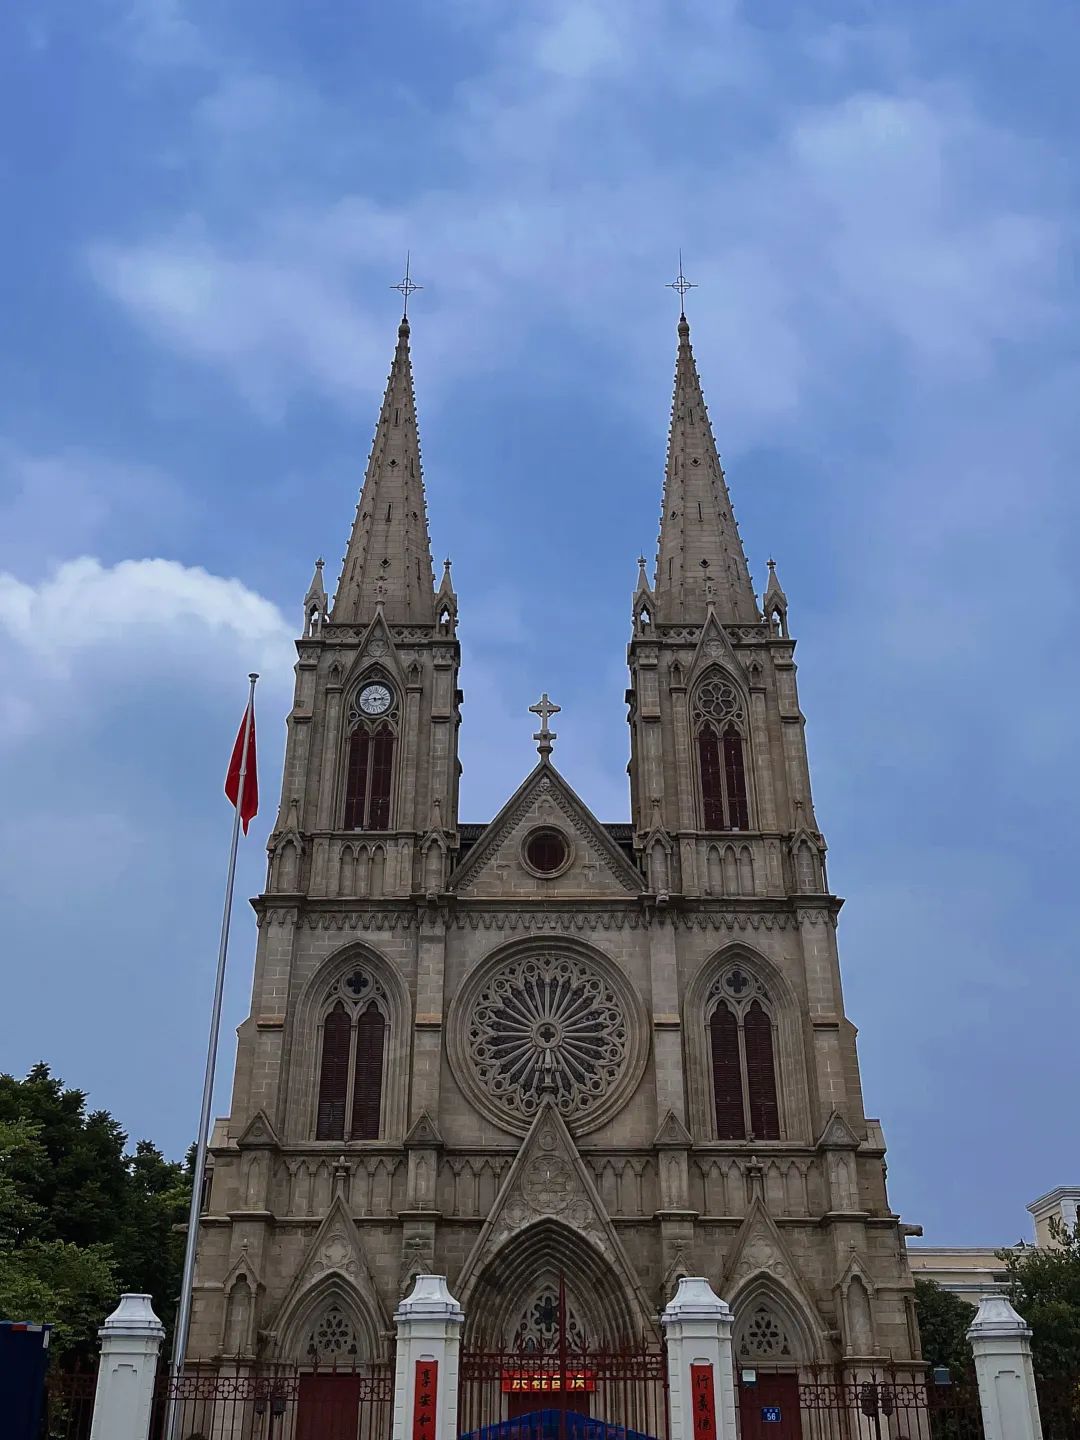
(250, 807)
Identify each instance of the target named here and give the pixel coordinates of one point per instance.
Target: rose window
(548, 1025)
(543, 1326)
(332, 1336)
(764, 1337)
(719, 700)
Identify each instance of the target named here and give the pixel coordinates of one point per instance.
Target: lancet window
(720, 731)
(369, 756)
(352, 1060)
(742, 1052)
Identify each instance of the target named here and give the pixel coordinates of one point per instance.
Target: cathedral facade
(561, 1061)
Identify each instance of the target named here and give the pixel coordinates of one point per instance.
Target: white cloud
(84, 603)
(100, 632)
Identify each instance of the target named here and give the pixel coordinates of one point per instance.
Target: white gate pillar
(130, 1340)
(429, 1325)
(701, 1373)
(1001, 1341)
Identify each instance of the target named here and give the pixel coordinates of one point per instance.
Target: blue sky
(205, 205)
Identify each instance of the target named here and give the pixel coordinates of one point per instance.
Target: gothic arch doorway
(541, 1372)
(770, 1343)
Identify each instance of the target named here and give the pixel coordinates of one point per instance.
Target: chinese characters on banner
(427, 1385)
(704, 1402)
(514, 1381)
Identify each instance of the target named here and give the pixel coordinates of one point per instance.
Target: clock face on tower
(375, 699)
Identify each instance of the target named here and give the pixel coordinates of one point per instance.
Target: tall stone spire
(388, 561)
(701, 557)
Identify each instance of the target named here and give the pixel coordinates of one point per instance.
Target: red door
(328, 1407)
(769, 1409)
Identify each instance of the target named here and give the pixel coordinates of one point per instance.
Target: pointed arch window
(352, 1063)
(370, 754)
(745, 1096)
(720, 729)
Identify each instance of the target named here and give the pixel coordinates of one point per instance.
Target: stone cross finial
(544, 736)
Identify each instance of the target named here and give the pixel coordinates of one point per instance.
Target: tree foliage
(944, 1320)
(1044, 1286)
(81, 1220)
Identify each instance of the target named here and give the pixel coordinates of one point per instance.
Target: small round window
(546, 851)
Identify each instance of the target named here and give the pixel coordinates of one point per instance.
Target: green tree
(80, 1219)
(1044, 1285)
(944, 1320)
(72, 1287)
(20, 1152)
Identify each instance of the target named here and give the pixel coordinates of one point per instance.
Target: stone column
(429, 1325)
(697, 1326)
(1001, 1341)
(130, 1340)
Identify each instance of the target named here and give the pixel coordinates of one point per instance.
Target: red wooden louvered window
(382, 774)
(356, 779)
(761, 1074)
(368, 1074)
(369, 776)
(334, 1075)
(727, 1075)
(735, 780)
(712, 787)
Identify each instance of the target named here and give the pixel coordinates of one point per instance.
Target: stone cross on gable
(544, 736)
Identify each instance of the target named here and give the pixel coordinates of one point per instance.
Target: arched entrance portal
(771, 1342)
(556, 1348)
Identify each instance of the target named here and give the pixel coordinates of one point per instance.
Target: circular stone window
(546, 852)
(547, 1021)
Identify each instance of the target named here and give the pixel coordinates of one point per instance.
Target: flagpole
(183, 1314)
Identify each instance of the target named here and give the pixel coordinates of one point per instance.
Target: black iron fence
(877, 1407)
(238, 1402)
(563, 1391)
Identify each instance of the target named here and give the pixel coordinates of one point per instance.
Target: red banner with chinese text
(517, 1381)
(704, 1402)
(424, 1398)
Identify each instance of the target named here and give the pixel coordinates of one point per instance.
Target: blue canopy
(554, 1425)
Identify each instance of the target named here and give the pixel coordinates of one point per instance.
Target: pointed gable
(499, 862)
(388, 561)
(549, 1182)
(335, 1261)
(700, 549)
(760, 1254)
(714, 647)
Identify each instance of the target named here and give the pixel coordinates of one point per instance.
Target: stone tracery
(547, 1021)
(548, 1024)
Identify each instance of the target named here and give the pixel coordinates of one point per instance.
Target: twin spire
(388, 562)
(700, 561)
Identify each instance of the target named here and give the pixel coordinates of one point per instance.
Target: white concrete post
(429, 1325)
(130, 1341)
(1001, 1341)
(697, 1326)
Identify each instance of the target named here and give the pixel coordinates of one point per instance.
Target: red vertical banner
(704, 1402)
(424, 1397)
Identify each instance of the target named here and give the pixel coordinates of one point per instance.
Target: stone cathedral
(561, 1060)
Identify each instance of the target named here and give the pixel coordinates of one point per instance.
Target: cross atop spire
(407, 286)
(544, 736)
(682, 285)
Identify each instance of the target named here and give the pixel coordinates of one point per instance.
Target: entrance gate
(561, 1385)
